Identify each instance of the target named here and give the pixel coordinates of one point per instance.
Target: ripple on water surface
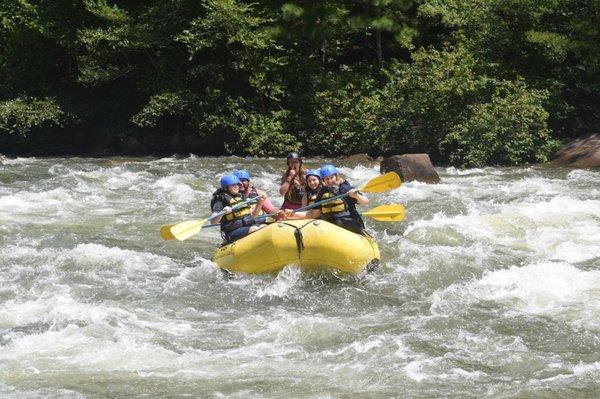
(489, 288)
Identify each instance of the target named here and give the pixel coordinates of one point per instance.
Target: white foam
(283, 284)
(18, 161)
(96, 255)
(586, 368)
(287, 327)
(554, 289)
(57, 309)
(540, 227)
(465, 172)
(581, 175)
(176, 186)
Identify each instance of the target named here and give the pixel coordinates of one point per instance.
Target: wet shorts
(239, 233)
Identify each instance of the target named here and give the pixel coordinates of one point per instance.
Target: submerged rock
(583, 153)
(411, 167)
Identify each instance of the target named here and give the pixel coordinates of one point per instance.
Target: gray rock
(581, 153)
(411, 167)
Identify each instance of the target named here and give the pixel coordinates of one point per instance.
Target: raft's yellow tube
(310, 244)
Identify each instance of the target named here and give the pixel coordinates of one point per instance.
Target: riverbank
(581, 152)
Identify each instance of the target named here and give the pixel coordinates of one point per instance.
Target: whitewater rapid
(489, 288)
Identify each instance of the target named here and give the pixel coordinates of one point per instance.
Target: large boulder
(581, 153)
(411, 167)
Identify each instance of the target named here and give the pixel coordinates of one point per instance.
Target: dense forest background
(472, 82)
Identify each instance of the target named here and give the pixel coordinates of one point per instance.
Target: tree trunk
(379, 47)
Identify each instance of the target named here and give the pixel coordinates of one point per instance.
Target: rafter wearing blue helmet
(234, 224)
(341, 211)
(242, 174)
(313, 186)
(250, 191)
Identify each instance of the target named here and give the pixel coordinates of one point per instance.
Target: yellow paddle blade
(184, 230)
(165, 232)
(382, 183)
(387, 213)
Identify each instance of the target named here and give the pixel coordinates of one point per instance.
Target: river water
(489, 288)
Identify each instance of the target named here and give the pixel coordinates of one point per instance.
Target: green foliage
(161, 105)
(262, 135)
(22, 115)
(423, 100)
(345, 115)
(443, 102)
(553, 45)
(470, 81)
(510, 129)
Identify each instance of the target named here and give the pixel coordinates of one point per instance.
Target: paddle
(387, 213)
(184, 230)
(382, 213)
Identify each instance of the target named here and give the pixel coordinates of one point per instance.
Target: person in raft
(342, 211)
(239, 223)
(293, 182)
(313, 187)
(250, 191)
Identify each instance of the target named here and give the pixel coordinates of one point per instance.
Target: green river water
(489, 288)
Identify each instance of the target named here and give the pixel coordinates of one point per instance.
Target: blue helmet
(228, 180)
(328, 170)
(313, 172)
(242, 174)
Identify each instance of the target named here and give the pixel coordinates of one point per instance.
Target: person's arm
(313, 213)
(286, 181)
(258, 207)
(360, 198)
(218, 207)
(267, 206)
(304, 200)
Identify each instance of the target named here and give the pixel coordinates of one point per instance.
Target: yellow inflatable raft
(308, 243)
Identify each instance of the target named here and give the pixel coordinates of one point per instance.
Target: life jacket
(236, 219)
(342, 208)
(296, 190)
(338, 208)
(312, 195)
